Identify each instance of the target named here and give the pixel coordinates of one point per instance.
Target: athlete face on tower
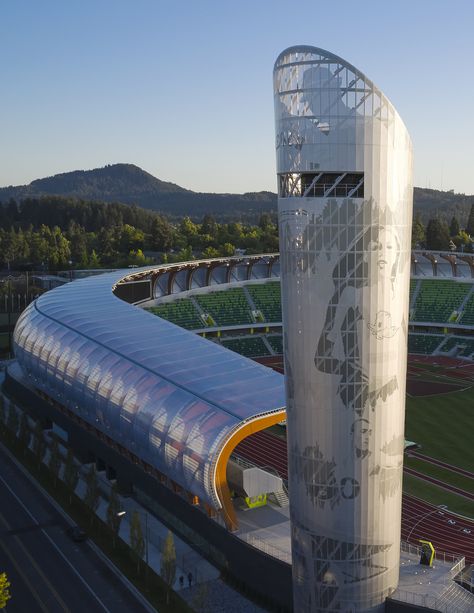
(361, 432)
(383, 253)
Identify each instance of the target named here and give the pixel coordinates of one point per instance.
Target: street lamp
(441, 506)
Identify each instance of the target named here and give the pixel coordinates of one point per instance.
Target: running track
(264, 449)
(434, 526)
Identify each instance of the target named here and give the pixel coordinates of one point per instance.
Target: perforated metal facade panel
(344, 162)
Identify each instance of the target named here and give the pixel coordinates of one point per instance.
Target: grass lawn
(435, 495)
(442, 425)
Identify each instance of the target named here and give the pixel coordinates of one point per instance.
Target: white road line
(76, 572)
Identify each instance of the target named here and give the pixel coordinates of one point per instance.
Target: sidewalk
(206, 585)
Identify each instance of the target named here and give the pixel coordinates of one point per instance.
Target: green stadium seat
(250, 347)
(424, 343)
(267, 299)
(437, 300)
(181, 312)
(227, 308)
(467, 317)
(276, 342)
(467, 344)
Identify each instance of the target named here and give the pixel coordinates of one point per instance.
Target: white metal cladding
(345, 268)
(168, 395)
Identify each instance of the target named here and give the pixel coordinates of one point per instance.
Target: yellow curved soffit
(220, 474)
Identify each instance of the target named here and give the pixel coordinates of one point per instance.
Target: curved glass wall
(168, 395)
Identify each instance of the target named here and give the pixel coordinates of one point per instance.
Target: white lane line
(76, 572)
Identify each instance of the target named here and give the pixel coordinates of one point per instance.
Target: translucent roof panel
(169, 395)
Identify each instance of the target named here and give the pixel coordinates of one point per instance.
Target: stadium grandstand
(241, 298)
(213, 451)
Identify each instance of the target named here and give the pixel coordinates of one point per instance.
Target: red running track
(265, 449)
(421, 520)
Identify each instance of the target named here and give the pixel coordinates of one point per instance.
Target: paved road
(48, 572)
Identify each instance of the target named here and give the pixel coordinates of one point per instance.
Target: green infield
(443, 474)
(436, 495)
(442, 426)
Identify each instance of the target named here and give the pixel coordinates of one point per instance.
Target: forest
(58, 233)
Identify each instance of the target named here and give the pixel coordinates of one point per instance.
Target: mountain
(130, 184)
(429, 203)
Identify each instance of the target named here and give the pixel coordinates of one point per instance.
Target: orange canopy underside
(222, 487)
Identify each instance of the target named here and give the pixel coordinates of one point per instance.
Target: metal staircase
(281, 498)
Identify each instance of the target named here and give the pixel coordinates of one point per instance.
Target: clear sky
(183, 88)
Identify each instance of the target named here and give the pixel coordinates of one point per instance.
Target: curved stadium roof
(173, 398)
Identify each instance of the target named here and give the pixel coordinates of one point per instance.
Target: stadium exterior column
(344, 164)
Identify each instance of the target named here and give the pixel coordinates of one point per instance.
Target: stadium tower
(344, 163)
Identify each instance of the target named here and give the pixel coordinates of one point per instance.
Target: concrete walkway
(207, 592)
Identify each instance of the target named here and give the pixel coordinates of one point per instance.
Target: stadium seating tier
(437, 300)
(181, 312)
(227, 308)
(267, 299)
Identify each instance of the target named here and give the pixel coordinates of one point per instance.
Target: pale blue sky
(184, 89)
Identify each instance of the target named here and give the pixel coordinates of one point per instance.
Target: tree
(78, 242)
(54, 463)
(209, 226)
(131, 238)
(210, 252)
(265, 221)
(188, 228)
(462, 240)
(12, 420)
(437, 235)
(470, 221)
(113, 510)
(39, 444)
(94, 261)
(454, 227)
(227, 249)
(24, 432)
(4, 591)
(168, 563)
(92, 495)
(71, 473)
(200, 598)
(161, 234)
(418, 235)
(137, 542)
(137, 258)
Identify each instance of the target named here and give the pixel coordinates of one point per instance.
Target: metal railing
(457, 560)
(435, 603)
(266, 547)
